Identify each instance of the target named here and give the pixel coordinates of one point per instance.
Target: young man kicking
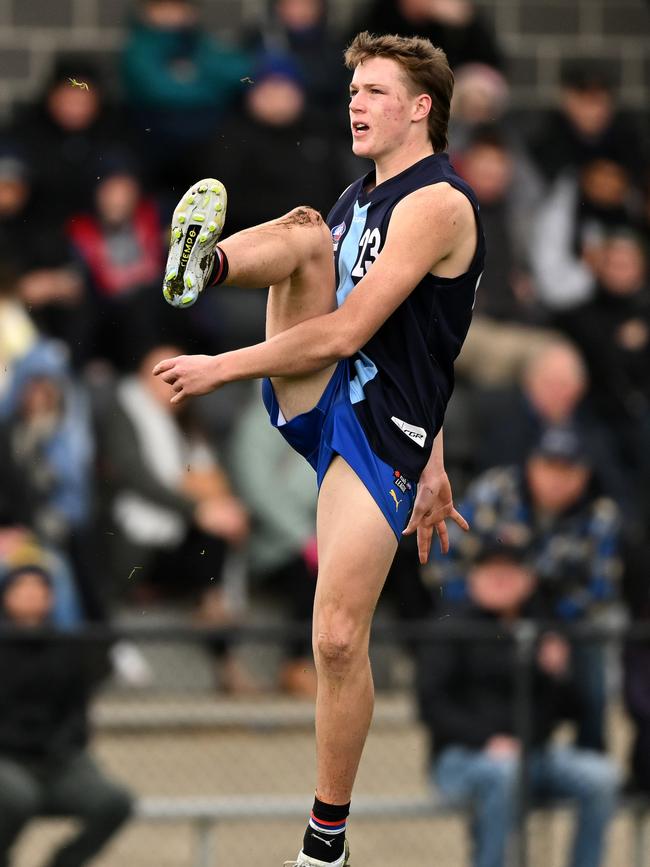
(358, 366)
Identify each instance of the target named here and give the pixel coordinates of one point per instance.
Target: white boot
(305, 861)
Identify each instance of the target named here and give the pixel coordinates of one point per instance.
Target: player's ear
(421, 106)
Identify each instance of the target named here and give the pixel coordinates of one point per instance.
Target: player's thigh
(310, 291)
(356, 547)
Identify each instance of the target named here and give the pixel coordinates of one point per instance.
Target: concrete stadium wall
(537, 35)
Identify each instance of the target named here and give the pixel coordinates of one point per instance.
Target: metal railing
(122, 712)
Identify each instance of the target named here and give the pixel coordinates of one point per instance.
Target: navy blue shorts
(332, 428)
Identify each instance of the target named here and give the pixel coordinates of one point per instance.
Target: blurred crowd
(111, 498)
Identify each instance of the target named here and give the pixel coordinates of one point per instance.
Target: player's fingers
(414, 521)
(177, 386)
(163, 365)
(424, 543)
(178, 398)
(443, 536)
(170, 376)
(458, 518)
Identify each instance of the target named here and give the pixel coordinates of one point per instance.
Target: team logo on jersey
(417, 434)
(337, 234)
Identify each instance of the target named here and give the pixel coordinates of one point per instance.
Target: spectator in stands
(45, 434)
(179, 82)
(586, 125)
(65, 133)
(554, 506)
(120, 244)
(19, 546)
(571, 227)
(505, 330)
(454, 25)
(42, 272)
(613, 333)
(468, 701)
(300, 159)
(299, 29)
(301, 163)
(481, 97)
(551, 391)
(173, 513)
(15, 195)
(45, 689)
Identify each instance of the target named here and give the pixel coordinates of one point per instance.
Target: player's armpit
(424, 230)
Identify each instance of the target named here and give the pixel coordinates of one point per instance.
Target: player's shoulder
(437, 197)
(439, 204)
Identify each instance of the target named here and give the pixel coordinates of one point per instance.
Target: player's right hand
(433, 505)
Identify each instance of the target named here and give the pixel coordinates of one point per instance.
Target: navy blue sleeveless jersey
(402, 379)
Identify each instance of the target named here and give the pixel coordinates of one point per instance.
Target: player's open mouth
(359, 128)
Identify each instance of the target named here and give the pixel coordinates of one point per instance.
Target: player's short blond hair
(426, 69)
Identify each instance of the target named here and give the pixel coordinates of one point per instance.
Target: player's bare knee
(339, 642)
(308, 234)
(303, 215)
(334, 651)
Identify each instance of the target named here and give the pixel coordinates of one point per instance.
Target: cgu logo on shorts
(337, 234)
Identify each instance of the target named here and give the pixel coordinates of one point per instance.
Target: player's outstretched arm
(424, 229)
(434, 503)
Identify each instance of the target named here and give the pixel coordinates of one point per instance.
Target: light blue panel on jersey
(349, 252)
(348, 255)
(365, 371)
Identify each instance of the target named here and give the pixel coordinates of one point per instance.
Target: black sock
(325, 835)
(219, 270)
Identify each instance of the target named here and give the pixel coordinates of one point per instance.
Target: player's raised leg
(355, 549)
(292, 255)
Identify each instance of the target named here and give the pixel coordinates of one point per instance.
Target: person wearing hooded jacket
(45, 688)
(46, 437)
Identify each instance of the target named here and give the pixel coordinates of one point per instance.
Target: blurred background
(157, 567)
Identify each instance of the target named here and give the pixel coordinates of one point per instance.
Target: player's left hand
(189, 375)
(433, 505)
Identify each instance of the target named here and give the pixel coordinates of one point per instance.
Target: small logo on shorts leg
(394, 496)
(401, 483)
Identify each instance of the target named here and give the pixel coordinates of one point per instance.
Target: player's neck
(389, 165)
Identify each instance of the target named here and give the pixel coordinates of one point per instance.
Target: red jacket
(111, 278)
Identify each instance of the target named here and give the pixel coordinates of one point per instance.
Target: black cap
(82, 67)
(117, 160)
(586, 75)
(497, 548)
(562, 443)
(16, 572)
